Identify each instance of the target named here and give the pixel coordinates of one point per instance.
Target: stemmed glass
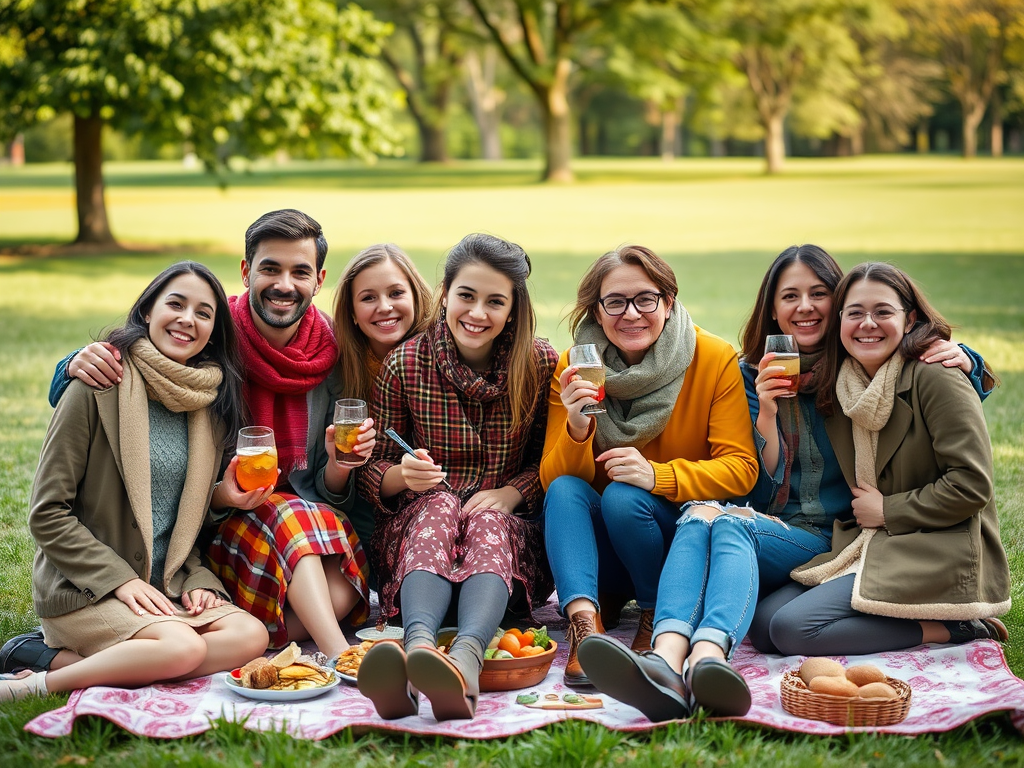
(587, 360)
(787, 355)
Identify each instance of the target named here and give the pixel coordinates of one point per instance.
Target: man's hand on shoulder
(98, 365)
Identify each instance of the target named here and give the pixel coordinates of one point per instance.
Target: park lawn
(955, 226)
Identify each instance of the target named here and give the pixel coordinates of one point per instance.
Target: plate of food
(387, 633)
(289, 676)
(347, 664)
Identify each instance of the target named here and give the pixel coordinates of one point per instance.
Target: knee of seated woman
(705, 512)
(180, 648)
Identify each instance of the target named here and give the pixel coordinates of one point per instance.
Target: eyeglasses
(643, 303)
(880, 315)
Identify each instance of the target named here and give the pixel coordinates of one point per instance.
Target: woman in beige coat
(922, 561)
(122, 487)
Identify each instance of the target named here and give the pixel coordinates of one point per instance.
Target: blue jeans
(584, 558)
(714, 570)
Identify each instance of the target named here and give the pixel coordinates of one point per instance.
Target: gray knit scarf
(640, 397)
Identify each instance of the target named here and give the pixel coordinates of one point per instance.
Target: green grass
(955, 226)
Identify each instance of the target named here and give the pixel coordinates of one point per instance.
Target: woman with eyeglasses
(675, 428)
(921, 560)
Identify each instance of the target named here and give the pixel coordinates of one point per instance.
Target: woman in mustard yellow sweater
(676, 429)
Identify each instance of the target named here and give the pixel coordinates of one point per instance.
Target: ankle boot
(642, 641)
(581, 624)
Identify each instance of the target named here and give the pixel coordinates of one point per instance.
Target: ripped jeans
(710, 582)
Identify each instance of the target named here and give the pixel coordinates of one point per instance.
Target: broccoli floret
(540, 637)
(489, 653)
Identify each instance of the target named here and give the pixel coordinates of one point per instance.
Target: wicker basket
(799, 700)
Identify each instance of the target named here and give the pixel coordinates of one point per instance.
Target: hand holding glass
(349, 415)
(257, 458)
(787, 355)
(590, 368)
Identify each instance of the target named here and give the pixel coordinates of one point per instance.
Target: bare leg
(934, 632)
(673, 648)
(231, 642)
(344, 596)
(64, 658)
(702, 649)
(310, 609)
(579, 604)
(162, 651)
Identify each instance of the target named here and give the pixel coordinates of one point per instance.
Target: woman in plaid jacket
(470, 393)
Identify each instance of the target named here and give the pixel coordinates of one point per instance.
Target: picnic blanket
(951, 686)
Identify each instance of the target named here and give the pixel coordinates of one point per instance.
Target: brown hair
(589, 291)
(761, 323)
(353, 346)
(928, 326)
(510, 260)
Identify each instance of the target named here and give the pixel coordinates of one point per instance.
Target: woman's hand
(98, 365)
(419, 472)
(198, 600)
(770, 386)
(867, 507)
(576, 393)
(143, 598)
(950, 354)
(627, 465)
(335, 474)
(504, 499)
(229, 495)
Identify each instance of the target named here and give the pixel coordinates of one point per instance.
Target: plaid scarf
(480, 387)
(278, 380)
(797, 440)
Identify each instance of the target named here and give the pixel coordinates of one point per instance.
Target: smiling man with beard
(285, 553)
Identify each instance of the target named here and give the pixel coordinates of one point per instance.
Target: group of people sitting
(854, 516)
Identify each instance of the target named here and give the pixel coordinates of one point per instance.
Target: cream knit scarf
(148, 374)
(868, 401)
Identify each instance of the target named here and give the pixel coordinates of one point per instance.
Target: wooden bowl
(508, 674)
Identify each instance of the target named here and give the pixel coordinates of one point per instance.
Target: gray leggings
(819, 621)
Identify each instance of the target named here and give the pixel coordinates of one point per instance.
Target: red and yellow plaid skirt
(255, 552)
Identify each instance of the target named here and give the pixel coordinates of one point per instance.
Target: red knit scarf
(277, 380)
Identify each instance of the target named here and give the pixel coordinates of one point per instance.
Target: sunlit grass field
(956, 226)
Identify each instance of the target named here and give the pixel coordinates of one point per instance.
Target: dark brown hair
(510, 260)
(589, 291)
(353, 346)
(928, 326)
(286, 224)
(761, 323)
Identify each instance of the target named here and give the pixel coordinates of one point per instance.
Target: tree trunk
(996, 114)
(669, 133)
(17, 153)
(485, 99)
(93, 226)
(973, 114)
(557, 126)
(774, 143)
(433, 142)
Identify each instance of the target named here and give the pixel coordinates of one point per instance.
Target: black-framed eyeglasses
(643, 303)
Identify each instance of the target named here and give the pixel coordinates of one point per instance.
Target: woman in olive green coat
(922, 560)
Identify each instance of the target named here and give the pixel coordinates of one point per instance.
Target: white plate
(262, 694)
(389, 633)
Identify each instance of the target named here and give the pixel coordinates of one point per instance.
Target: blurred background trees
(455, 79)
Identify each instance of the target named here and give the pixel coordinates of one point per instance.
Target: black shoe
(718, 688)
(644, 681)
(976, 629)
(611, 608)
(27, 651)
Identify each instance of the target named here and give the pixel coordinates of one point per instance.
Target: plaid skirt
(255, 552)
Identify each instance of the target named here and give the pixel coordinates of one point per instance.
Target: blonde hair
(353, 346)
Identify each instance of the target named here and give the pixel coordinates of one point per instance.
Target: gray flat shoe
(27, 651)
(642, 680)
(719, 689)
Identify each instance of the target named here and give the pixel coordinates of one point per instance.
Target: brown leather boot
(581, 624)
(642, 641)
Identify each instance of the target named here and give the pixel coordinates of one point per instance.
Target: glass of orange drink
(349, 415)
(257, 458)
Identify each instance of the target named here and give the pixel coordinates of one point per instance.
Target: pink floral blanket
(951, 685)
